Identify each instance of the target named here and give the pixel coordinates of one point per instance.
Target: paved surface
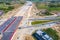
(6, 24)
(48, 18)
(25, 12)
(14, 25)
(21, 12)
(10, 32)
(7, 35)
(19, 34)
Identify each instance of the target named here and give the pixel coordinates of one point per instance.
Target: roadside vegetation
(6, 7)
(52, 33)
(40, 22)
(49, 7)
(44, 12)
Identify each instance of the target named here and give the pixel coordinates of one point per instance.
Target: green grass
(40, 22)
(52, 33)
(42, 6)
(54, 9)
(5, 7)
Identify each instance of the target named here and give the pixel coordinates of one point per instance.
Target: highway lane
(24, 12)
(14, 25)
(47, 25)
(21, 13)
(48, 18)
(26, 16)
(7, 35)
(6, 24)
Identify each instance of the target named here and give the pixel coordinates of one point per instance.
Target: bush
(1, 2)
(58, 5)
(45, 12)
(6, 8)
(52, 5)
(8, 4)
(10, 7)
(52, 33)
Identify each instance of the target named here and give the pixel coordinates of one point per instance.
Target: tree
(52, 33)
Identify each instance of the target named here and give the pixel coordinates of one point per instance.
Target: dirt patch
(28, 37)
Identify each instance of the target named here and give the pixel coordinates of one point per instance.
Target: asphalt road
(7, 35)
(6, 24)
(48, 18)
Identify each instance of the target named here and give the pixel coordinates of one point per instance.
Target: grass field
(43, 6)
(5, 7)
(40, 22)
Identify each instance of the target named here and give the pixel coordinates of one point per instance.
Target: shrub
(52, 33)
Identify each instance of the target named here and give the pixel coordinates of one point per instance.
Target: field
(40, 22)
(5, 7)
(43, 6)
